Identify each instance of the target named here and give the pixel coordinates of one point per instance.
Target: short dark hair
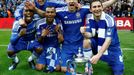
(95, 1)
(50, 7)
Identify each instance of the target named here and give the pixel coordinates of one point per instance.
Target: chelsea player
(38, 6)
(49, 35)
(21, 37)
(72, 19)
(103, 37)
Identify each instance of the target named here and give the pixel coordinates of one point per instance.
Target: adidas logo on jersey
(65, 17)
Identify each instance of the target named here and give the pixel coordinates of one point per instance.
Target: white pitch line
(125, 49)
(3, 45)
(128, 49)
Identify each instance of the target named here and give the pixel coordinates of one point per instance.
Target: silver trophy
(80, 65)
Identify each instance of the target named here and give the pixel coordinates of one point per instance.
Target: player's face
(41, 2)
(72, 4)
(96, 8)
(28, 14)
(50, 13)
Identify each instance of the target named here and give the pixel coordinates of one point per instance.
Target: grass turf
(126, 39)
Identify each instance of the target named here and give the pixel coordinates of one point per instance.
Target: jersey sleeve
(88, 28)
(15, 31)
(85, 9)
(109, 31)
(19, 11)
(57, 20)
(88, 23)
(38, 32)
(110, 26)
(38, 29)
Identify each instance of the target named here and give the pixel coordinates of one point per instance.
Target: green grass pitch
(127, 44)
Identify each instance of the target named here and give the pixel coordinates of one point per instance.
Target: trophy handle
(71, 67)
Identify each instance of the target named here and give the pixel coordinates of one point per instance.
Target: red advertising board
(124, 23)
(6, 23)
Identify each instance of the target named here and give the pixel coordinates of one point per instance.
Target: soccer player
(101, 34)
(49, 35)
(72, 19)
(37, 5)
(21, 37)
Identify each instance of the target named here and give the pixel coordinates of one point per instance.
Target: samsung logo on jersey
(73, 21)
(51, 35)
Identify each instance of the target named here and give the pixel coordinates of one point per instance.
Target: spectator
(128, 12)
(124, 7)
(117, 10)
(4, 11)
(132, 12)
(9, 13)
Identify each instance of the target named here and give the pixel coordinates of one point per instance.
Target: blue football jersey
(30, 32)
(105, 27)
(71, 23)
(51, 39)
(19, 10)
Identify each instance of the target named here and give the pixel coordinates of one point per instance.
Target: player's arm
(16, 34)
(14, 38)
(86, 30)
(107, 42)
(31, 5)
(42, 33)
(57, 5)
(108, 3)
(86, 34)
(59, 30)
(19, 14)
(42, 12)
(19, 11)
(104, 47)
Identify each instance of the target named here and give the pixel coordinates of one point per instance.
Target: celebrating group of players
(54, 32)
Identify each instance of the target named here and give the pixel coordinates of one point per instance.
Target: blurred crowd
(122, 8)
(7, 7)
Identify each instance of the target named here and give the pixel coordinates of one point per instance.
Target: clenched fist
(82, 29)
(22, 32)
(45, 32)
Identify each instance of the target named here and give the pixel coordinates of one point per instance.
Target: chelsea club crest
(78, 15)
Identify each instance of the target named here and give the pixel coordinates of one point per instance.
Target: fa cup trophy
(79, 66)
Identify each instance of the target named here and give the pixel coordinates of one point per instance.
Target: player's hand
(57, 28)
(22, 32)
(45, 32)
(95, 59)
(60, 38)
(82, 29)
(22, 23)
(30, 5)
